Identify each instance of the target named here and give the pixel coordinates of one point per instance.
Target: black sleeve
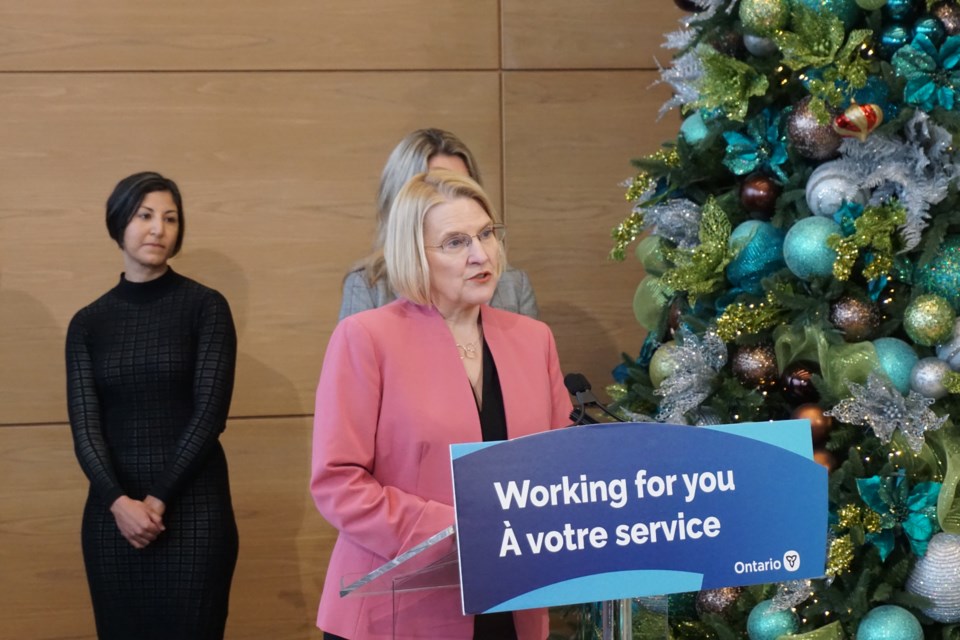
(83, 407)
(212, 391)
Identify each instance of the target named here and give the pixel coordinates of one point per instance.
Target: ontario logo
(790, 562)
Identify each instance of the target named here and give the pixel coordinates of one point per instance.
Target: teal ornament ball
(759, 253)
(942, 274)
(871, 5)
(928, 320)
(932, 28)
(898, 10)
(662, 364)
(763, 17)
(889, 622)
(897, 359)
(765, 623)
(892, 38)
(693, 128)
(846, 10)
(805, 248)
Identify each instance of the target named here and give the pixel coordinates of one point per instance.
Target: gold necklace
(468, 350)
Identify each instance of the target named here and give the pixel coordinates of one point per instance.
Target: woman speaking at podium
(402, 382)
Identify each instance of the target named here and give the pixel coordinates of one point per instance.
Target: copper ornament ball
(820, 424)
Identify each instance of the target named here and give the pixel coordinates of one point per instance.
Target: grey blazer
(514, 293)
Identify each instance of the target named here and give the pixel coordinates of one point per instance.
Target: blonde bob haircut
(408, 158)
(404, 254)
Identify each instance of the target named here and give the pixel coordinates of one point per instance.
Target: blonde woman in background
(366, 286)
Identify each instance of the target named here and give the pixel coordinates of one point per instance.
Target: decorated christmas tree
(800, 240)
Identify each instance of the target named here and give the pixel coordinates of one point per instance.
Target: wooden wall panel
(278, 173)
(97, 35)
(284, 543)
(568, 138)
(572, 34)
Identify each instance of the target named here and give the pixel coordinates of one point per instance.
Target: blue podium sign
(612, 511)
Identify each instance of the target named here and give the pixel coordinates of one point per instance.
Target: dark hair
(127, 197)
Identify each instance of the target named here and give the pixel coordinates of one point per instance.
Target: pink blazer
(393, 395)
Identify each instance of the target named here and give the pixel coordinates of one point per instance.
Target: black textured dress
(149, 378)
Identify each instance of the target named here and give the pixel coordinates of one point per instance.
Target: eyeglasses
(460, 242)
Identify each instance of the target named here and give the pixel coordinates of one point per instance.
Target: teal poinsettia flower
(932, 75)
(914, 511)
(762, 146)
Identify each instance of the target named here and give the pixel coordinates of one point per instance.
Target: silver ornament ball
(936, 576)
(926, 377)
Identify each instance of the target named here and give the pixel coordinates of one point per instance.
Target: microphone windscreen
(576, 383)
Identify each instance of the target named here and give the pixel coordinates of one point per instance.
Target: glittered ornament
(805, 248)
(758, 252)
(929, 319)
(662, 364)
(930, 27)
(871, 5)
(846, 10)
(898, 10)
(729, 43)
(897, 359)
(759, 46)
(830, 186)
(889, 622)
(948, 13)
(759, 193)
(820, 423)
(857, 318)
(935, 577)
(717, 600)
(949, 351)
(942, 274)
(893, 37)
(767, 623)
(797, 381)
(858, 121)
(927, 375)
(755, 366)
(811, 138)
(764, 17)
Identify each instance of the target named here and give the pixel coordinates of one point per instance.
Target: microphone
(579, 387)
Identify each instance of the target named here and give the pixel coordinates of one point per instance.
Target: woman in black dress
(150, 368)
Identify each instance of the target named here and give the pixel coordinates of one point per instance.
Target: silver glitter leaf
(790, 594)
(677, 220)
(884, 409)
(697, 361)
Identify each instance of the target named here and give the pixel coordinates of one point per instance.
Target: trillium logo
(791, 560)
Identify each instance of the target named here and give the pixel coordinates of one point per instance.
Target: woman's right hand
(138, 524)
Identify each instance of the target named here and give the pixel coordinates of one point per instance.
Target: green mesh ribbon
(832, 631)
(649, 301)
(946, 442)
(839, 363)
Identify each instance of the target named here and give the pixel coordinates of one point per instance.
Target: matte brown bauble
(857, 318)
(825, 458)
(758, 195)
(688, 5)
(797, 381)
(755, 366)
(811, 138)
(820, 424)
(675, 311)
(948, 13)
